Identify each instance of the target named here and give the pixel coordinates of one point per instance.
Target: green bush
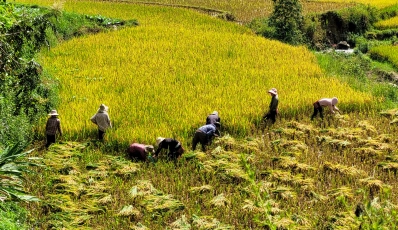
(12, 216)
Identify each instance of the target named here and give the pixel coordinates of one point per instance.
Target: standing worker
(330, 102)
(273, 106)
(102, 120)
(53, 125)
(174, 146)
(212, 118)
(204, 135)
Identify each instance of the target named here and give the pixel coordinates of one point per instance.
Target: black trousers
(271, 115)
(202, 138)
(317, 108)
(50, 140)
(101, 135)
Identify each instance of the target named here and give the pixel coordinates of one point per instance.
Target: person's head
(334, 101)
(215, 113)
(149, 149)
(217, 124)
(273, 91)
(159, 139)
(53, 113)
(179, 152)
(103, 108)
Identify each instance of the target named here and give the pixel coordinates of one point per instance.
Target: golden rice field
(244, 11)
(376, 3)
(300, 175)
(162, 79)
(386, 52)
(387, 24)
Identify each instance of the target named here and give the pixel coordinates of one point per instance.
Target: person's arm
(331, 108)
(109, 121)
(59, 127)
(337, 109)
(93, 119)
(159, 148)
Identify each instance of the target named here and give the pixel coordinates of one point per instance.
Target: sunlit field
(386, 53)
(162, 78)
(390, 23)
(376, 3)
(244, 11)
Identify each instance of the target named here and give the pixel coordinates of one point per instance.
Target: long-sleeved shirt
(212, 118)
(209, 130)
(53, 125)
(273, 106)
(102, 120)
(137, 150)
(168, 143)
(330, 102)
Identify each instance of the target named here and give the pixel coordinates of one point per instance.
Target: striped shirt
(53, 125)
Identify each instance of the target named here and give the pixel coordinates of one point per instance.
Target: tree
(287, 21)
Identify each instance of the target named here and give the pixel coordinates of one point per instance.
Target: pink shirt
(329, 102)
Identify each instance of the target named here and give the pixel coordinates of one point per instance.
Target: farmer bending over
(174, 146)
(330, 102)
(204, 135)
(139, 151)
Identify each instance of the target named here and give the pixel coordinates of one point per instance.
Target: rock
(343, 45)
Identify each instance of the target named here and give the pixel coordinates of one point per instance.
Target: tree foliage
(287, 21)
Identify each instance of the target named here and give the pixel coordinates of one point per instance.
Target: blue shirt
(208, 129)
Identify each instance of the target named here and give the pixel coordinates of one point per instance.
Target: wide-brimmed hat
(215, 112)
(103, 108)
(159, 139)
(53, 113)
(149, 148)
(273, 91)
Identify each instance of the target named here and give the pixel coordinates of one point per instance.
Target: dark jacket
(273, 106)
(168, 143)
(212, 118)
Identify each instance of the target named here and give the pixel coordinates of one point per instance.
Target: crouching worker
(204, 135)
(329, 102)
(175, 148)
(139, 151)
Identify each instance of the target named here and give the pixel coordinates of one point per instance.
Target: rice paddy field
(387, 53)
(162, 78)
(388, 24)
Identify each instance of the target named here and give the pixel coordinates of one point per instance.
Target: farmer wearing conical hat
(204, 135)
(140, 151)
(53, 126)
(329, 102)
(273, 106)
(102, 120)
(212, 118)
(175, 148)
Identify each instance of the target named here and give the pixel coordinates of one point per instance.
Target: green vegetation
(331, 174)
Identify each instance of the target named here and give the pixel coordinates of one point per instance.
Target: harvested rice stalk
(181, 224)
(129, 211)
(220, 201)
(201, 189)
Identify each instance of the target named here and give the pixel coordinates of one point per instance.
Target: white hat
(273, 91)
(215, 112)
(53, 113)
(159, 139)
(334, 101)
(149, 148)
(103, 108)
